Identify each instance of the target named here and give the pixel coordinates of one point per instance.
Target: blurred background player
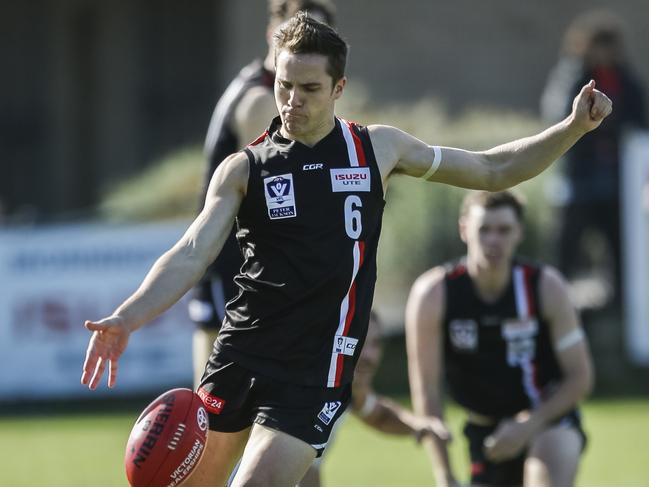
(375, 410)
(240, 116)
(507, 341)
(593, 48)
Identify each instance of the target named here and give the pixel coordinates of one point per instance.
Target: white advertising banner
(635, 211)
(54, 278)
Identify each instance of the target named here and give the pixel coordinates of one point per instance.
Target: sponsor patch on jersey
(464, 334)
(519, 335)
(345, 345)
(280, 196)
(312, 167)
(519, 328)
(328, 411)
(350, 179)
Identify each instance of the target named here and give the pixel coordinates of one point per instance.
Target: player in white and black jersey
(504, 337)
(307, 199)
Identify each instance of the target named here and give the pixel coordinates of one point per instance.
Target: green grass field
(87, 450)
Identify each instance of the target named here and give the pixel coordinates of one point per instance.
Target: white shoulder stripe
(520, 290)
(349, 140)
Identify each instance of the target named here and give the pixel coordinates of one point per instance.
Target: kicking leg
(273, 459)
(222, 452)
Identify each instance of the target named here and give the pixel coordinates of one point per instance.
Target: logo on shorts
(212, 403)
(328, 411)
(464, 334)
(201, 418)
(280, 198)
(345, 345)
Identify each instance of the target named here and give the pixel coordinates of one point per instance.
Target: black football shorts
(508, 472)
(236, 397)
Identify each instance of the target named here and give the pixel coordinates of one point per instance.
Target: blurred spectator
(240, 116)
(593, 48)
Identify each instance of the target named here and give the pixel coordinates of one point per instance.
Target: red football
(167, 440)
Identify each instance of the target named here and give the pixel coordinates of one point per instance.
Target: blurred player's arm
(172, 274)
(253, 113)
(571, 349)
(387, 416)
(424, 314)
(495, 169)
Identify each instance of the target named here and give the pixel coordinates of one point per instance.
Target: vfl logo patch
(345, 345)
(280, 198)
(464, 334)
(212, 403)
(350, 179)
(328, 411)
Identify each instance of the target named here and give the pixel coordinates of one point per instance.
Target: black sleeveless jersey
(222, 141)
(498, 356)
(308, 228)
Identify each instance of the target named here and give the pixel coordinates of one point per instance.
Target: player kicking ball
(307, 198)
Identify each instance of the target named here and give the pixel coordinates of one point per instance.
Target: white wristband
(437, 159)
(569, 339)
(368, 405)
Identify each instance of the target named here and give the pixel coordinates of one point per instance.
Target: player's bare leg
(273, 459)
(553, 458)
(202, 344)
(311, 477)
(221, 455)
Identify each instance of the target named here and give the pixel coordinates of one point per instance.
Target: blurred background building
(91, 92)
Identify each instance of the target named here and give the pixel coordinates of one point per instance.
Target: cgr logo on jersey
(312, 167)
(350, 179)
(464, 335)
(345, 345)
(280, 198)
(328, 411)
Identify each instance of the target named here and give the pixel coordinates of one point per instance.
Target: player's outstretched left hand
(590, 107)
(107, 343)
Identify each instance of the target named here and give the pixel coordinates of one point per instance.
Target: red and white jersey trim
(348, 304)
(354, 145)
(526, 309)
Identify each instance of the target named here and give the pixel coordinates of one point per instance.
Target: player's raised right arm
(176, 271)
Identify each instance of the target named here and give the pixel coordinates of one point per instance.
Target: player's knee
(553, 458)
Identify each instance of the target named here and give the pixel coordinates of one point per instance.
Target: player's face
(491, 235)
(305, 94)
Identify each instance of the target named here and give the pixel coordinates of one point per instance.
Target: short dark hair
(305, 35)
(282, 10)
(489, 201)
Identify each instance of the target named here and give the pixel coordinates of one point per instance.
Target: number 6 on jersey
(353, 225)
